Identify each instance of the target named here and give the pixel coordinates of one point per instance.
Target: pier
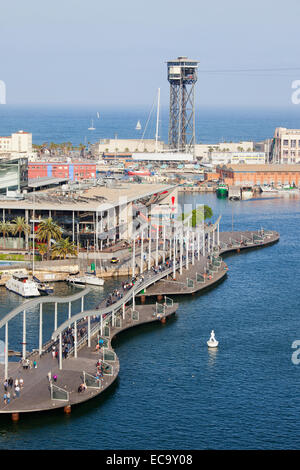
(191, 262)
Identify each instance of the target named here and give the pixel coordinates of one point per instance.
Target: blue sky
(72, 52)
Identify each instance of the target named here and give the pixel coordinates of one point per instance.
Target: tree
(48, 229)
(199, 215)
(63, 248)
(20, 226)
(43, 249)
(5, 229)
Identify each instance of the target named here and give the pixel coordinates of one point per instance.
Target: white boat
(20, 284)
(92, 128)
(268, 189)
(138, 126)
(212, 342)
(98, 115)
(87, 279)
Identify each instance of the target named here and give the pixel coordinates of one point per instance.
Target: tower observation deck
(182, 76)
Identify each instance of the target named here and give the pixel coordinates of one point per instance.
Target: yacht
(86, 279)
(20, 284)
(43, 287)
(268, 189)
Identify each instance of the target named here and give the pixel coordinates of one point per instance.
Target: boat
(44, 288)
(89, 279)
(98, 115)
(92, 128)
(246, 192)
(138, 126)
(20, 284)
(222, 190)
(212, 342)
(139, 172)
(268, 189)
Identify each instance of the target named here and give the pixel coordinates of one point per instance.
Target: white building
(286, 147)
(128, 145)
(19, 144)
(203, 151)
(163, 157)
(224, 158)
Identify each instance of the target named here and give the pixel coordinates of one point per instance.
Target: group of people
(12, 389)
(27, 364)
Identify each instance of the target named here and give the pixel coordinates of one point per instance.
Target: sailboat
(92, 128)
(138, 126)
(98, 115)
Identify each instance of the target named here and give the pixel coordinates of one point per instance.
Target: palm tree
(20, 226)
(48, 229)
(43, 250)
(5, 229)
(63, 248)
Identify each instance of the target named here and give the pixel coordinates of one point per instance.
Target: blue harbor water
(54, 124)
(172, 392)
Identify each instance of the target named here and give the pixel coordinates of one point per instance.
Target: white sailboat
(98, 115)
(138, 126)
(92, 128)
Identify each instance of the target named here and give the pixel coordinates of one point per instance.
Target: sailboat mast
(157, 120)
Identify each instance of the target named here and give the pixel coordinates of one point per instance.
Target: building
(271, 174)
(116, 146)
(13, 174)
(286, 146)
(204, 151)
(18, 144)
(93, 216)
(74, 171)
(250, 158)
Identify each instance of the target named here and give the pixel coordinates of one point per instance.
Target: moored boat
(86, 279)
(222, 190)
(20, 284)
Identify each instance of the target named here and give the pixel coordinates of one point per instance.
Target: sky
(79, 53)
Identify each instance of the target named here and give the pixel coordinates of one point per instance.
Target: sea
(172, 392)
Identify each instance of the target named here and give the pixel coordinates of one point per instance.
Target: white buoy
(212, 342)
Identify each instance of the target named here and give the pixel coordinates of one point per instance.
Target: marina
(75, 361)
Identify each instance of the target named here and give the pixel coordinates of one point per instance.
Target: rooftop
(95, 198)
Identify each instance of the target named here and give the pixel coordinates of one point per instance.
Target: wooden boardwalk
(206, 272)
(35, 395)
(202, 274)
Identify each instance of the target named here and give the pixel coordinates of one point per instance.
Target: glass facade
(13, 174)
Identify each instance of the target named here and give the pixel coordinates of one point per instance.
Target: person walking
(17, 390)
(10, 382)
(8, 397)
(21, 382)
(49, 376)
(16, 383)
(35, 364)
(5, 383)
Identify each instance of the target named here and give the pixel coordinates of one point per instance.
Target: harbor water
(172, 391)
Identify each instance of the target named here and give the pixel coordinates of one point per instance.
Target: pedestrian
(16, 383)
(8, 397)
(21, 382)
(5, 383)
(17, 390)
(10, 382)
(49, 376)
(34, 364)
(55, 378)
(53, 352)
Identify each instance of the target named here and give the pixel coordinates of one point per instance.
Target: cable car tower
(182, 76)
